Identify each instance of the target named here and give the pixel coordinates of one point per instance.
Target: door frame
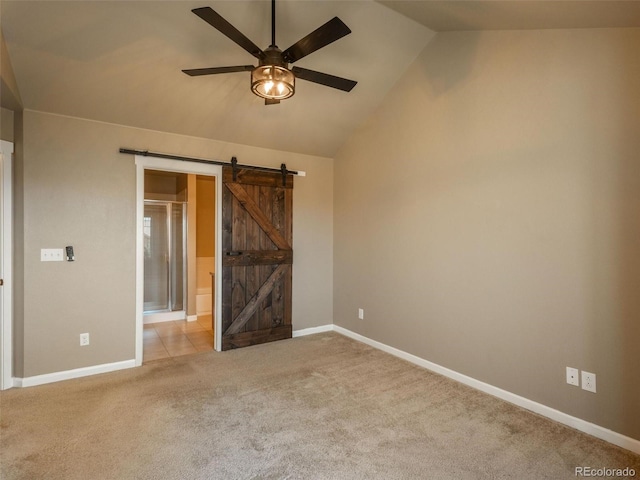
(151, 163)
(6, 265)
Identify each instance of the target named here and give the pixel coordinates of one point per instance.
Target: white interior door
(6, 255)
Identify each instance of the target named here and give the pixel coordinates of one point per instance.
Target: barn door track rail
(233, 163)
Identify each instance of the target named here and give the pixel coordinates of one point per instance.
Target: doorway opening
(176, 288)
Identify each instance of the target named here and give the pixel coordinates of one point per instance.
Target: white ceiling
(120, 61)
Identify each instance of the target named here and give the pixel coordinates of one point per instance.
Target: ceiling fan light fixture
(272, 82)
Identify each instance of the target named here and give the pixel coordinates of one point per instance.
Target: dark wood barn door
(257, 257)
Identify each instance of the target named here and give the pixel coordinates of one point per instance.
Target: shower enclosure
(165, 233)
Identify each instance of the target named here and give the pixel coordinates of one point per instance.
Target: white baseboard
(69, 374)
(556, 415)
(312, 330)
(192, 318)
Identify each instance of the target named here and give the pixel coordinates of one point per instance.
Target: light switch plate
(51, 255)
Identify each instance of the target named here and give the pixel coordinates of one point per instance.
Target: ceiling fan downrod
(273, 23)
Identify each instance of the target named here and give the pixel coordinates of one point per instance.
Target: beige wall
(78, 190)
(487, 216)
(9, 93)
(6, 125)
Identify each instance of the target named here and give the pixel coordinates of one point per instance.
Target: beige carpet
(316, 407)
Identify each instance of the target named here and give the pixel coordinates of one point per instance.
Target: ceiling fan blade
(194, 72)
(324, 79)
(215, 20)
(328, 33)
(271, 101)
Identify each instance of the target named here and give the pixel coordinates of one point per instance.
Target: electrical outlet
(572, 376)
(84, 339)
(361, 314)
(589, 381)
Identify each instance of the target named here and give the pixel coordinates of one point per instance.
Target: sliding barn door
(257, 257)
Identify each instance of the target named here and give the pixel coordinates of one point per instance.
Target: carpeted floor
(315, 407)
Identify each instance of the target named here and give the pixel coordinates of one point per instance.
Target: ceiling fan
(272, 79)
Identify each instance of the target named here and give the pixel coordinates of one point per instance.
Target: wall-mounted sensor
(70, 256)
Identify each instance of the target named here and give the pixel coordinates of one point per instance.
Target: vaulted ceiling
(121, 61)
(461, 15)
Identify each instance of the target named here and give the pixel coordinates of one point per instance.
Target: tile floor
(172, 339)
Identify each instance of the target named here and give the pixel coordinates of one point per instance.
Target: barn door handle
(234, 254)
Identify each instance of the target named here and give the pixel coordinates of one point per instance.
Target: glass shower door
(156, 257)
(164, 256)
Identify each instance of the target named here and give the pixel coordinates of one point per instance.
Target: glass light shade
(273, 82)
